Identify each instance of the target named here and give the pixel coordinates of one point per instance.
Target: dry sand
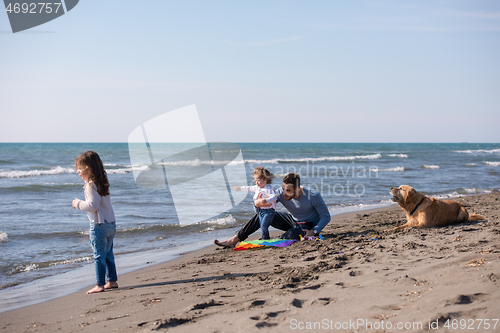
(357, 276)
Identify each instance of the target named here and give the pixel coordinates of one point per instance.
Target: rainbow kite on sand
(255, 244)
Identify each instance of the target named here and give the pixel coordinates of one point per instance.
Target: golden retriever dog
(424, 212)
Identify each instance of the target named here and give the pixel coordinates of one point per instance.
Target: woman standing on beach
(97, 204)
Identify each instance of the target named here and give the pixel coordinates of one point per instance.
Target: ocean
(44, 242)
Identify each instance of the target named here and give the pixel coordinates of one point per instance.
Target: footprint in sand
(355, 273)
(202, 306)
(257, 303)
(322, 301)
(298, 303)
(466, 299)
(268, 315)
(263, 324)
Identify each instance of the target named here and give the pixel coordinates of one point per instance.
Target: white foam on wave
(398, 155)
(425, 166)
(448, 195)
(461, 192)
(3, 237)
(223, 221)
(271, 161)
(470, 164)
(395, 169)
(227, 220)
(198, 162)
(492, 163)
(27, 268)
(315, 159)
(192, 163)
(127, 169)
(71, 261)
(474, 151)
(473, 190)
(35, 266)
(333, 158)
(59, 170)
(35, 173)
(54, 184)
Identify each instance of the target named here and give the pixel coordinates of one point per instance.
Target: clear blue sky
(258, 71)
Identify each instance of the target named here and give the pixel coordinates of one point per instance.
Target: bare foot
(96, 289)
(111, 285)
(231, 242)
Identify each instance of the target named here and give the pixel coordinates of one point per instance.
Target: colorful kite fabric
(255, 244)
(319, 237)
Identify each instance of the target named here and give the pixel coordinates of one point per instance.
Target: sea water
(44, 242)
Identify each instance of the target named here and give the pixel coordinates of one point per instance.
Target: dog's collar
(414, 209)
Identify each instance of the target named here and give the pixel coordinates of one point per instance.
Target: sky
(257, 71)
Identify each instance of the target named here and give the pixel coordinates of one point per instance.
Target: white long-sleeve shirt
(98, 208)
(267, 193)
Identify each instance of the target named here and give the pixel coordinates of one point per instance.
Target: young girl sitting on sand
(97, 204)
(263, 190)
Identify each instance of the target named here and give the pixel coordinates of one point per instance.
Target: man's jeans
(282, 221)
(101, 239)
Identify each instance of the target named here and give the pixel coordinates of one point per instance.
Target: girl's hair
(261, 172)
(91, 160)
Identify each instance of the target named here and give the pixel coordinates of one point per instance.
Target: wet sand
(360, 278)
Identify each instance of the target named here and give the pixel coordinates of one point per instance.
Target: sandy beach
(360, 278)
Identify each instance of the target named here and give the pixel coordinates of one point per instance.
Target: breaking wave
(35, 173)
(331, 158)
(126, 169)
(460, 192)
(485, 151)
(35, 266)
(198, 162)
(59, 170)
(175, 229)
(3, 237)
(395, 169)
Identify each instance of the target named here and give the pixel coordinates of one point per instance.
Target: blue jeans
(101, 239)
(266, 216)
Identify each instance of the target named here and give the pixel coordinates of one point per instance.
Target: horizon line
(254, 142)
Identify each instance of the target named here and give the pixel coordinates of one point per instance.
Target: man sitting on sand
(305, 205)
